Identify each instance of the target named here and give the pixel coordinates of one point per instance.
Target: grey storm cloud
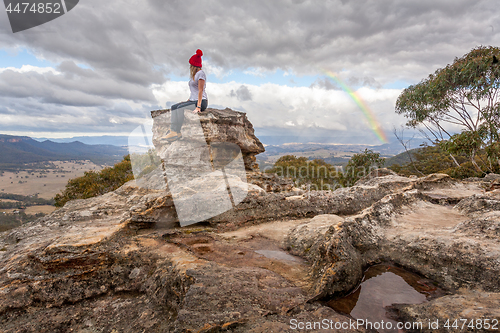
(365, 82)
(140, 42)
(74, 86)
(325, 84)
(242, 93)
(328, 84)
(129, 47)
(31, 115)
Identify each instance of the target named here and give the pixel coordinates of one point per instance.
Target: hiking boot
(172, 136)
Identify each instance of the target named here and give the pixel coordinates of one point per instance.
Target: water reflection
(384, 285)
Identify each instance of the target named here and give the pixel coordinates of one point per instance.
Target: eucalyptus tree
(463, 94)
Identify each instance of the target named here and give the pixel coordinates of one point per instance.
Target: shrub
(360, 165)
(319, 175)
(312, 174)
(435, 159)
(93, 183)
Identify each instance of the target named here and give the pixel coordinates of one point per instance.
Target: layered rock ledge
(219, 126)
(121, 262)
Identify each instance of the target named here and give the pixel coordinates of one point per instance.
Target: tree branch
(401, 140)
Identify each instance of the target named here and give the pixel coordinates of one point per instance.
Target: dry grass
(46, 187)
(46, 209)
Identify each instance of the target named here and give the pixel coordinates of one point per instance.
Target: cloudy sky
(100, 68)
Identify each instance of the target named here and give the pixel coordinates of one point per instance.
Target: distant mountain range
(387, 149)
(272, 140)
(19, 150)
(276, 145)
(121, 141)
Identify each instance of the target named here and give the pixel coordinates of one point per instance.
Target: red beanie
(195, 60)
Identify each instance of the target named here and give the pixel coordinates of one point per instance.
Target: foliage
(465, 170)
(428, 159)
(319, 175)
(360, 165)
(435, 159)
(464, 95)
(93, 183)
(145, 163)
(313, 174)
(400, 159)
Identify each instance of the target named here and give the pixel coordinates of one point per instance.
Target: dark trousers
(177, 113)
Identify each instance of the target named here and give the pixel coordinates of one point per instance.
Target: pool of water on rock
(382, 286)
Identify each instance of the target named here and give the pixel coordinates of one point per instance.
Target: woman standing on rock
(198, 97)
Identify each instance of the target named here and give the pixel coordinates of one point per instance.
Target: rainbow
(367, 112)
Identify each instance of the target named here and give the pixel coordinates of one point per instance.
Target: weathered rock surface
(86, 269)
(219, 126)
(417, 228)
(469, 311)
(121, 262)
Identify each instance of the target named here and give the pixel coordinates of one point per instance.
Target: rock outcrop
(219, 127)
(122, 263)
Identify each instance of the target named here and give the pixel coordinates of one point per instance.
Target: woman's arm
(201, 84)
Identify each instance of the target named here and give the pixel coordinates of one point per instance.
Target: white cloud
(218, 71)
(301, 107)
(29, 68)
(131, 49)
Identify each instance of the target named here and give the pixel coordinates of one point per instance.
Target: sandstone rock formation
(122, 263)
(219, 126)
